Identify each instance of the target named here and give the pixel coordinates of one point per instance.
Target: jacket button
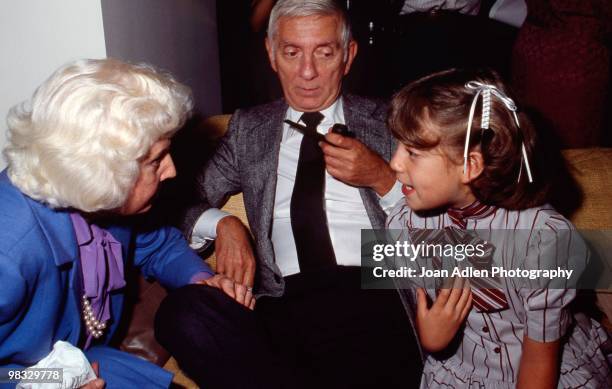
(485, 329)
(496, 350)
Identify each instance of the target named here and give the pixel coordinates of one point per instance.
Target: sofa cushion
(592, 169)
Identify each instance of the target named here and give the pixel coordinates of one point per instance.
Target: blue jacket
(40, 286)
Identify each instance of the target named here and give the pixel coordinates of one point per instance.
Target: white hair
(298, 8)
(78, 141)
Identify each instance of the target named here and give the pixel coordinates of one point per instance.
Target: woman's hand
(241, 293)
(98, 383)
(439, 324)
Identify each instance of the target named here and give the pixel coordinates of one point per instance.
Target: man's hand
(234, 252)
(353, 163)
(98, 383)
(438, 325)
(239, 292)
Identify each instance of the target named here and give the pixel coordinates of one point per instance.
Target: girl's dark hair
(433, 111)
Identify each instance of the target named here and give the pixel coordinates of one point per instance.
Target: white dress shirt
(346, 214)
(512, 12)
(468, 7)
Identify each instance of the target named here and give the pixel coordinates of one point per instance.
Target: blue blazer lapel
(59, 233)
(57, 228)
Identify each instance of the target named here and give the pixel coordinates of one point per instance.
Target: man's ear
(475, 166)
(271, 54)
(352, 52)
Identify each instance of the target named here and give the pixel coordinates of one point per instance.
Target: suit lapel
(364, 118)
(263, 149)
(270, 164)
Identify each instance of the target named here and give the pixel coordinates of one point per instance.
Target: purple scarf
(101, 265)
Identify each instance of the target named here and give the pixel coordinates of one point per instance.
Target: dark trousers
(324, 332)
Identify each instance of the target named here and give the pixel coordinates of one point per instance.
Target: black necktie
(308, 218)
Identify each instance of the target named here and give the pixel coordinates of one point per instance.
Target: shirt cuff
(205, 229)
(391, 198)
(199, 276)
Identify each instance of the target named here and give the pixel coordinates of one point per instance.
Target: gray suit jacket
(247, 160)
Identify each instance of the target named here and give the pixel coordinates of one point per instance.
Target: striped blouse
(489, 353)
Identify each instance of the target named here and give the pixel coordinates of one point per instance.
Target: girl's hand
(438, 325)
(539, 366)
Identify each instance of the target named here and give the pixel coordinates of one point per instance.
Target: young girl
(464, 163)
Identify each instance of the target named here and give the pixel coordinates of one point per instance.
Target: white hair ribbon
(486, 90)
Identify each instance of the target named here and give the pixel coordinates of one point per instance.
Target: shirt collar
(476, 210)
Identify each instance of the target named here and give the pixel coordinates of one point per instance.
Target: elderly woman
(89, 148)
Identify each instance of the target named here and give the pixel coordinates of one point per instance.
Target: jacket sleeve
(220, 177)
(164, 254)
(546, 301)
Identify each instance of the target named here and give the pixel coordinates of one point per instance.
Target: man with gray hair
(308, 192)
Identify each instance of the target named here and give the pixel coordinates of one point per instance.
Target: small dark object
(337, 128)
(486, 137)
(342, 129)
(302, 128)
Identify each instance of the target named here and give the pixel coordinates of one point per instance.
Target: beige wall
(36, 37)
